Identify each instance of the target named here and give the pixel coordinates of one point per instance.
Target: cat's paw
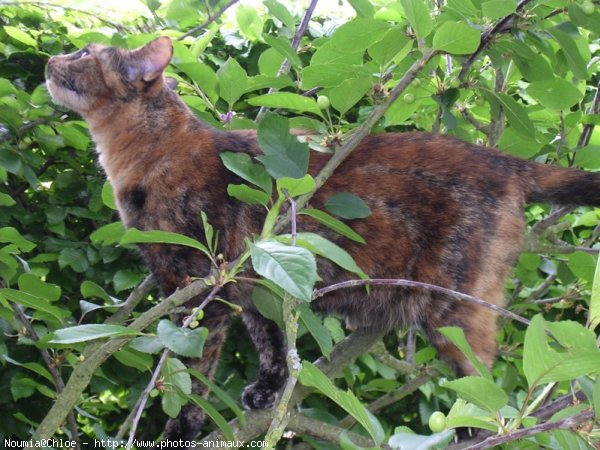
(256, 396)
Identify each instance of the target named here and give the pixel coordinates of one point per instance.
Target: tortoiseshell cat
(443, 211)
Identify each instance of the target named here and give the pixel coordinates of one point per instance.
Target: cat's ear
(150, 60)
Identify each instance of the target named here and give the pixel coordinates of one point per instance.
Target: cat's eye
(84, 53)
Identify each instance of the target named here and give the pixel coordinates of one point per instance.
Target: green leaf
(363, 8)
(249, 22)
(6, 88)
(83, 333)
(332, 223)
(294, 269)
(135, 236)
(108, 196)
(242, 165)
(327, 249)
(221, 395)
(34, 367)
(596, 398)
(248, 195)
(569, 48)
(90, 289)
(34, 302)
(183, 341)
(556, 93)
(108, 234)
(6, 200)
(73, 258)
(594, 310)
(479, 391)
(516, 115)
(402, 441)
(20, 36)
(284, 155)
(132, 358)
(331, 74)
(126, 279)
(268, 304)
(281, 13)
(315, 327)
(358, 34)
(287, 100)
(457, 38)
(217, 418)
(583, 265)
(313, 377)
(171, 404)
(147, 344)
(296, 186)
(347, 206)
(456, 335)
(179, 382)
(543, 364)
(349, 93)
(232, 81)
(395, 45)
(11, 235)
(283, 46)
(495, 9)
(33, 285)
(418, 16)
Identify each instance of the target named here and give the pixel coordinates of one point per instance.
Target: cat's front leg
(269, 343)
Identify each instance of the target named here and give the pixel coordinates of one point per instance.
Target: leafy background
(522, 77)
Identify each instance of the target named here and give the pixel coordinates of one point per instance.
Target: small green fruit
(154, 393)
(479, 101)
(323, 102)
(588, 7)
(453, 83)
(409, 98)
(416, 82)
(437, 422)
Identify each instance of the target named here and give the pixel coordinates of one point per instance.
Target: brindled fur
(443, 211)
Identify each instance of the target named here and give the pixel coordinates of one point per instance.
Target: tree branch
(84, 371)
(417, 284)
(501, 26)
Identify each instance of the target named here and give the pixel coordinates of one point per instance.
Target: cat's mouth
(62, 81)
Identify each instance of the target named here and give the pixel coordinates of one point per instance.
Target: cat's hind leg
(269, 342)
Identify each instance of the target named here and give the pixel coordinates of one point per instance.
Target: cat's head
(97, 76)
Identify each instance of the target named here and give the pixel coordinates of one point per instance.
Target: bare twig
(417, 284)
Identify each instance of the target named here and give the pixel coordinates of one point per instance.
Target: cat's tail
(562, 186)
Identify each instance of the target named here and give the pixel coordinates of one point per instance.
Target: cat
(444, 212)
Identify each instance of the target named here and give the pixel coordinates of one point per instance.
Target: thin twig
(51, 365)
(286, 65)
(417, 284)
(211, 19)
(136, 413)
(566, 423)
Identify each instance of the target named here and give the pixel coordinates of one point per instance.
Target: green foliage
(66, 261)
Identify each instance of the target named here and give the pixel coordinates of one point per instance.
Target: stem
(417, 284)
(280, 419)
